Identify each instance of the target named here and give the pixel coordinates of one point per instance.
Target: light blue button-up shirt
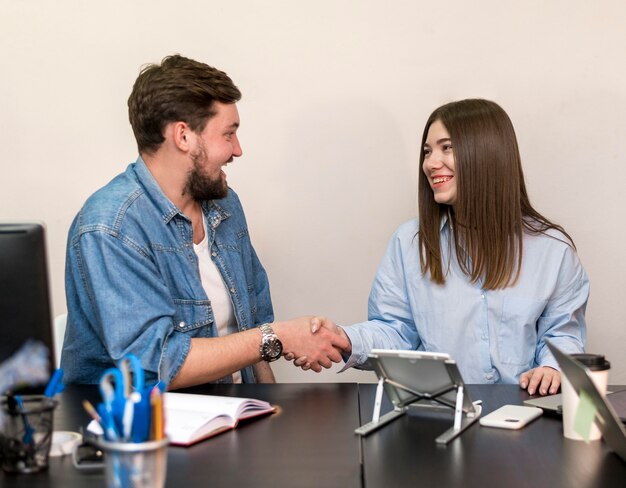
(493, 335)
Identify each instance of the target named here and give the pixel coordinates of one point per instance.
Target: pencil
(156, 417)
(92, 411)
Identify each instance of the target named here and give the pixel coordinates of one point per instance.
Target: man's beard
(199, 185)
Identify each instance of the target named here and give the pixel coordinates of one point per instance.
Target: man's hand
(542, 379)
(320, 349)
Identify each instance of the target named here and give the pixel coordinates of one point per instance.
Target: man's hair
(492, 210)
(179, 89)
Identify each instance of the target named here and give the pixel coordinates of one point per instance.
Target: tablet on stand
(415, 380)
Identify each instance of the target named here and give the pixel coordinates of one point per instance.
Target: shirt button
(482, 297)
(182, 325)
(232, 290)
(213, 254)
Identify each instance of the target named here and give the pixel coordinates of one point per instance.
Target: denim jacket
(132, 279)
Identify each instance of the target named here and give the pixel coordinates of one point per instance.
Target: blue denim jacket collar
(153, 190)
(214, 213)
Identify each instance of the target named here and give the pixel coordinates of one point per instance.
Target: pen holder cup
(26, 433)
(135, 465)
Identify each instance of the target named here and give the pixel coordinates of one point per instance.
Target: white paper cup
(599, 371)
(64, 442)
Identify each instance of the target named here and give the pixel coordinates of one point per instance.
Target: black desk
(311, 442)
(404, 453)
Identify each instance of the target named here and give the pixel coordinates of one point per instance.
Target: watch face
(272, 349)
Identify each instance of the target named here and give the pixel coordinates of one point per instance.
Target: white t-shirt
(216, 290)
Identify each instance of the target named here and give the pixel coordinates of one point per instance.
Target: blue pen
(161, 385)
(141, 418)
(55, 385)
(108, 425)
(28, 430)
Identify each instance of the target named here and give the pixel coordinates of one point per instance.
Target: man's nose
(237, 151)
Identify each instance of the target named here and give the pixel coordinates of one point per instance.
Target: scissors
(121, 389)
(133, 375)
(113, 402)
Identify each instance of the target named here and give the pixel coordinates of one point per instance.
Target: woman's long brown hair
(492, 209)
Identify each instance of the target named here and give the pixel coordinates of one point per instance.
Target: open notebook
(190, 418)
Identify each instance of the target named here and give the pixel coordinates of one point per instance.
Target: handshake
(312, 342)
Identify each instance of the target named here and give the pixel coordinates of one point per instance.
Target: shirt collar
(215, 213)
(153, 190)
(444, 222)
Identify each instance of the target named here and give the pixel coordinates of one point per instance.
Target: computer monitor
(25, 311)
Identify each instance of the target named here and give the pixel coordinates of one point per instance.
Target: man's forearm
(212, 358)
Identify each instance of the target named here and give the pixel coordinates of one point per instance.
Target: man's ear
(181, 136)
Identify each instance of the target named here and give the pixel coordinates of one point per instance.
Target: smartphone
(511, 417)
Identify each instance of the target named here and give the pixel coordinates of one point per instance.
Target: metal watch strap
(266, 329)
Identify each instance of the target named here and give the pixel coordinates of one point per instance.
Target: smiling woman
(438, 164)
(488, 278)
(470, 148)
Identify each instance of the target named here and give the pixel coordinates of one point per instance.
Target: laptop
(553, 404)
(613, 432)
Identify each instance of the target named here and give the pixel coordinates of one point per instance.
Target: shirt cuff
(173, 355)
(358, 357)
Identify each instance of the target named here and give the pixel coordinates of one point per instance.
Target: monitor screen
(24, 295)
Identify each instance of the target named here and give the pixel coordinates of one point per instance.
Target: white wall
(336, 94)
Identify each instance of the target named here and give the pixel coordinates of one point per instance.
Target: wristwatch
(271, 348)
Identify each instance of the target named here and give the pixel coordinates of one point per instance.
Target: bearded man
(159, 261)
